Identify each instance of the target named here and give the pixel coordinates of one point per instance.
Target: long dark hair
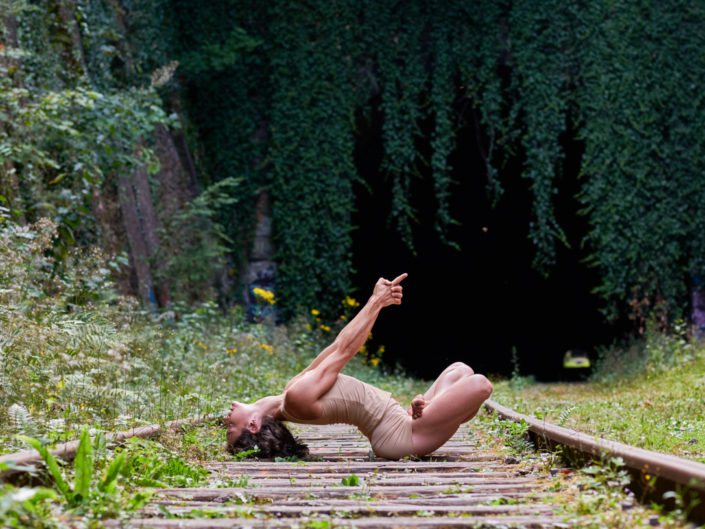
(273, 440)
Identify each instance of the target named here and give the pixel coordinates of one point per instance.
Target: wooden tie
(343, 485)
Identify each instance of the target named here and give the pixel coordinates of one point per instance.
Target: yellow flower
(315, 312)
(201, 344)
(380, 349)
(343, 317)
(308, 326)
(266, 295)
(351, 302)
(374, 361)
(325, 327)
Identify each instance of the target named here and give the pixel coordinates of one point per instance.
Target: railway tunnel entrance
(483, 303)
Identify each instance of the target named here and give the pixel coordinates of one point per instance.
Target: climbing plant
(269, 94)
(642, 69)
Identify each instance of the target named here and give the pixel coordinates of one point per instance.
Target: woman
(321, 395)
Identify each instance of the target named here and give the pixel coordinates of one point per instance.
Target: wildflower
(264, 294)
(315, 312)
(325, 328)
(308, 326)
(374, 361)
(351, 302)
(202, 345)
(380, 349)
(343, 317)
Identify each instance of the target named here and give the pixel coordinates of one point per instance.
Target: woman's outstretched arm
(354, 335)
(317, 378)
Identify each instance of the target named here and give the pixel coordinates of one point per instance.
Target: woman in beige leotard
(321, 395)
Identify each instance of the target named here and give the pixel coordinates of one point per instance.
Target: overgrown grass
(73, 353)
(595, 496)
(648, 394)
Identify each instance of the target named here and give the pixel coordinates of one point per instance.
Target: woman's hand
(389, 292)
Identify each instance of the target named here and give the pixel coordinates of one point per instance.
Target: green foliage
(311, 150)
(513, 434)
(350, 481)
(271, 94)
(150, 464)
(59, 140)
(645, 394)
(26, 507)
(89, 493)
(643, 163)
(542, 64)
(198, 230)
(530, 76)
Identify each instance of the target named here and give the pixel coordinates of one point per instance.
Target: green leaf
(109, 483)
(51, 463)
(83, 465)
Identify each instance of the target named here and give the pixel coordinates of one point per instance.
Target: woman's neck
(270, 406)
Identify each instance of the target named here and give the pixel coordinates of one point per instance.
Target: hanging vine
(311, 151)
(441, 98)
(643, 163)
(269, 92)
(541, 42)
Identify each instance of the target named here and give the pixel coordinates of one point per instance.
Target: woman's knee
(461, 368)
(480, 387)
(485, 385)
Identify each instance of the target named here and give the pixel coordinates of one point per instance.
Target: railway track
(463, 484)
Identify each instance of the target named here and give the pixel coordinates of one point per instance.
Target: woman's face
(241, 416)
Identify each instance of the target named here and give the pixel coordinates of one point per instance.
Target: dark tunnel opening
(481, 302)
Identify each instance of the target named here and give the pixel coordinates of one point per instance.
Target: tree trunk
(9, 185)
(181, 146)
(698, 303)
(67, 14)
(111, 229)
(136, 241)
(150, 229)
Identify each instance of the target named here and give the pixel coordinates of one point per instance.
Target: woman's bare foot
(417, 406)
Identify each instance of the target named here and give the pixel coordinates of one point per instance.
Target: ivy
(541, 61)
(269, 92)
(643, 163)
(311, 151)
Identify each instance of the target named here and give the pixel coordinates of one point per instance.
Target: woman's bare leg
(447, 378)
(454, 398)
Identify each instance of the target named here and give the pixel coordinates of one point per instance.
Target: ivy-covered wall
(624, 78)
(269, 95)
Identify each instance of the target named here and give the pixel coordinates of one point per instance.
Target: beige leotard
(378, 416)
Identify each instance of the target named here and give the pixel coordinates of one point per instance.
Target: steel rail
(22, 462)
(652, 473)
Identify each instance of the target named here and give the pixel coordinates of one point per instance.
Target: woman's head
(272, 439)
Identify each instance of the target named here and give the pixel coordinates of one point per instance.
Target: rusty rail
(460, 479)
(652, 473)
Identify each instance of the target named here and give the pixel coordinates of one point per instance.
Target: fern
(565, 414)
(21, 420)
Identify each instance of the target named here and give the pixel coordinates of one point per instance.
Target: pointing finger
(399, 279)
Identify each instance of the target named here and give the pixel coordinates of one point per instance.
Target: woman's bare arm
(353, 335)
(302, 398)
